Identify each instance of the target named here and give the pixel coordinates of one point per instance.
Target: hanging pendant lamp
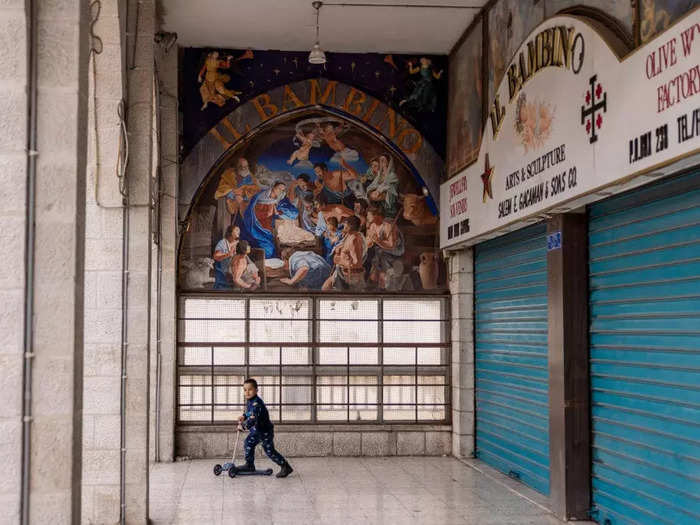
(317, 56)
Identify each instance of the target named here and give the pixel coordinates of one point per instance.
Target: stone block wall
(103, 278)
(322, 440)
(13, 174)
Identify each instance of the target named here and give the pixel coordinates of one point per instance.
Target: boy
(257, 420)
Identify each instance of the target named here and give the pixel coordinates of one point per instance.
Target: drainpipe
(29, 242)
(159, 277)
(124, 189)
(157, 240)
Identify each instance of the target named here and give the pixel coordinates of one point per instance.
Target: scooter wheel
(217, 469)
(232, 472)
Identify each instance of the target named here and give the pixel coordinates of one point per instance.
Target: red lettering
(687, 38)
(650, 66)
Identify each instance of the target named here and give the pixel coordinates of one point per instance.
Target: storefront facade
(581, 212)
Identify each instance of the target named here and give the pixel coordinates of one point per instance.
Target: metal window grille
(316, 359)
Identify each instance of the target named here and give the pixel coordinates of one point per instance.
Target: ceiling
(289, 25)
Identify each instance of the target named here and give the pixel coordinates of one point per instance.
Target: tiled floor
(393, 490)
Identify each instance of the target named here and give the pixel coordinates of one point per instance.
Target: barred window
(325, 360)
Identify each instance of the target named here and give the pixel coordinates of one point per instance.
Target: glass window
(315, 360)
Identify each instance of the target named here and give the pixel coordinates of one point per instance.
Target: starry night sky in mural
(385, 77)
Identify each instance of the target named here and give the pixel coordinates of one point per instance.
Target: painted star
(486, 179)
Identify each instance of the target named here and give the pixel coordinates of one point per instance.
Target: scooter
(233, 470)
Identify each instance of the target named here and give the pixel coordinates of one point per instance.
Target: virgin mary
(259, 218)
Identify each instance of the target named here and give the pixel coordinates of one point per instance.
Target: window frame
(313, 368)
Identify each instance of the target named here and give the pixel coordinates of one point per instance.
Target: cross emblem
(590, 113)
(486, 179)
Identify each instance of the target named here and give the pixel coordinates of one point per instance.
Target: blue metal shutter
(644, 250)
(511, 373)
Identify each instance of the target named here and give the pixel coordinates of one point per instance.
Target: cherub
(213, 88)
(306, 141)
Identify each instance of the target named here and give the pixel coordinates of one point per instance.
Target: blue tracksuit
(261, 431)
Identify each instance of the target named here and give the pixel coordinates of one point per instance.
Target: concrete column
(13, 174)
(139, 113)
(461, 282)
(569, 408)
(103, 265)
(57, 320)
(167, 64)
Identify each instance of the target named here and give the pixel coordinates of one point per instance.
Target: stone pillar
(139, 116)
(167, 64)
(569, 408)
(461, 282)
(13, 175)
(103, 276)
(57, 284)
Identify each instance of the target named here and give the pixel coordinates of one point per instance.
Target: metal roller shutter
(644, 249)
(511, 373)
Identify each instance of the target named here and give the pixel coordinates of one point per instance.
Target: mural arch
(317, 197)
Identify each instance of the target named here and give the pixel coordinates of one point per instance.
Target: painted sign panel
(570, 119)
(216, 81)
(657, 15)
(313, 178)
(465, 101)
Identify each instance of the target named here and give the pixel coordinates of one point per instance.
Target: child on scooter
(257, 420)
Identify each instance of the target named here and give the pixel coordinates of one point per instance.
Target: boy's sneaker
(248, 467)
(285, 471)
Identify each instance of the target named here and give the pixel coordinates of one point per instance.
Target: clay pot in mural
(429, 270)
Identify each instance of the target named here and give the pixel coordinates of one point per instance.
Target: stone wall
(57, 319)
(461, 272)
(167, 72)
(103, 278)
(13, 174)
(322, 440)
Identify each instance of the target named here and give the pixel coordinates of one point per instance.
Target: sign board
(553, 241)
(569, 119)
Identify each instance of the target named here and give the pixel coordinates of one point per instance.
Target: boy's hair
(332, 221)
(251, 381)
(242, 247)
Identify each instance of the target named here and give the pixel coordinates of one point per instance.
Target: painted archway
(316, 197)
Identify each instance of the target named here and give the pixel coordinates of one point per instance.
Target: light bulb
(317, 56)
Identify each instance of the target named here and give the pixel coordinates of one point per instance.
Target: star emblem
(486, 179)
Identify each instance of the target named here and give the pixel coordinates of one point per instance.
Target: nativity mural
(314, 178)
(314, 202)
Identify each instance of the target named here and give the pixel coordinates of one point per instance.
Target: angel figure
(305, 142)
(329, 133)
(213, 88)
(424, 96)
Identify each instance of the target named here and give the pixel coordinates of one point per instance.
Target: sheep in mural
(196, 273)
